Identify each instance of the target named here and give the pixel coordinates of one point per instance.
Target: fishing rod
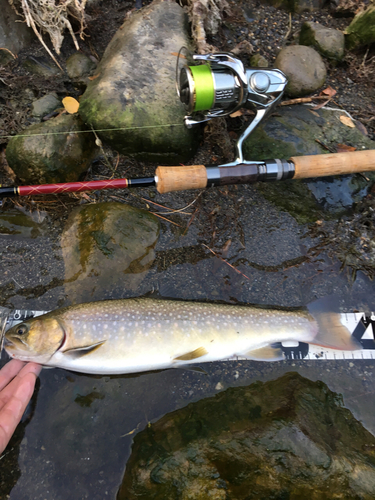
(211, 86)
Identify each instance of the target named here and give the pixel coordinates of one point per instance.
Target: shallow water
(78, 431)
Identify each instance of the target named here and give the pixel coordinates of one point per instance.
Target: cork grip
(333, 164)
(180, 178)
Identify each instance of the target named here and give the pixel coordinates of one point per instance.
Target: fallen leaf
(329, 91)
(70, 104)
(236, 113)
(346, 120)
(344, 148)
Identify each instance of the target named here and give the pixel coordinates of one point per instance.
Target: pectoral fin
(198, 353)
(78, 352)
(267, 353)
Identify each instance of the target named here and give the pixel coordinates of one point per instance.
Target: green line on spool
(204, 87)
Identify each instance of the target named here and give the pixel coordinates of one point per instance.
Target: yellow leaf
(346, 120)
(70, 104)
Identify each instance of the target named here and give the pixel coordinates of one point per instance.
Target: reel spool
(215, 85)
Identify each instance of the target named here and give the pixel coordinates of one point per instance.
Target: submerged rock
(134, 90)
(304, 68)
(51, 151)
(361, 30)
(296, 132)
(288, 438)
(107, 245)
(327, 41)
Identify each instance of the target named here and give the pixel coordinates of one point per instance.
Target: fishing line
(93, 130)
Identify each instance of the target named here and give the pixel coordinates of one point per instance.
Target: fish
(142, 334)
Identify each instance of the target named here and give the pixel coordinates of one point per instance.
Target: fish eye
(21, 330)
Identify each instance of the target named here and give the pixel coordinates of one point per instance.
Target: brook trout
(135, 335)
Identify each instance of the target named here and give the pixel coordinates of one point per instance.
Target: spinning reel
(215, 85)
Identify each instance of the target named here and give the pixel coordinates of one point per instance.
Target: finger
(8, 391)
(9, 371)
(12, 412)
(30, 368)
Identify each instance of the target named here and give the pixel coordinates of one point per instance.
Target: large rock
(134, 92)
(361, 30)
(327, 41)
(288, 438)
(51, 151)
(303, 67)
(107, 245)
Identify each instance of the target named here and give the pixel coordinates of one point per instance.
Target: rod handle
(180, 178)
(333, 164)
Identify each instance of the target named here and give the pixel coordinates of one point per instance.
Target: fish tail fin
(331, 332)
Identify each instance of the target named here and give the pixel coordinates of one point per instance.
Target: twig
(303, 100)
(171, 221)
(226, 262)
(11, 53)
(289, 28)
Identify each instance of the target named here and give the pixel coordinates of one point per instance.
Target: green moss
(361, 30)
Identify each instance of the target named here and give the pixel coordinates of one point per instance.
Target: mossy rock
(107, 245)
(132, 101)
(361, 31)
(52, 151)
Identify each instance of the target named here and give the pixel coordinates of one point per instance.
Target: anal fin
(197, 353)
(267, 353)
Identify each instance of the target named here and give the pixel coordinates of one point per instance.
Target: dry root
(205, 17)
(52, 17)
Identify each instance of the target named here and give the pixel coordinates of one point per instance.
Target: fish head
(35, 340)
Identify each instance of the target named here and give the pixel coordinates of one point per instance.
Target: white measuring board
(360, 324)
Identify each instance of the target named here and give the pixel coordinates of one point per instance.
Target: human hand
(17, 382)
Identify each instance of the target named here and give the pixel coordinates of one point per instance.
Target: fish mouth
(7, 342)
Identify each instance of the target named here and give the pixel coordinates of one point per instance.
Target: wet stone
(107, 245)
(287, 438)
(295, 132)
(304, 68)
(45, 105)
(327, 41)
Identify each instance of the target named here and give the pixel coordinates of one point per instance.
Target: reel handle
(297, 167)
(333, 164)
